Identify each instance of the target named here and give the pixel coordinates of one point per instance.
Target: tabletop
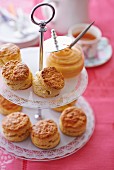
(98, 153)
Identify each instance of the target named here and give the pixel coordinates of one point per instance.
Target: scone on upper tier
(45, 134)
(9, 52)
(17, 75)
(73, 121)
(16, 126)
(7, 107)
(48, 82)
(69, 61)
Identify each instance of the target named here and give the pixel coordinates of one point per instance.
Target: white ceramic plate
(67, 146)
(74, 87)
(8, 34)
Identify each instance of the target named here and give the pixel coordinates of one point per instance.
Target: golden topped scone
(7, 107)
(69, 61)
(16, 126)
(73, 121)
(17, 75)
(45, 134)
(48, 82)
(9, 52)
(52, 78)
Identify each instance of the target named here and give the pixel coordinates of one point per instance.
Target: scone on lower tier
(7, 107)
(17, 75)
(61, 108)
(16, 126)
(45, 134)
(69, 61)
(48, 82)
(73, 121)
(9, 52)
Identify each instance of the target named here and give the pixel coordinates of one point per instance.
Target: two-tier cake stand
(73, 89)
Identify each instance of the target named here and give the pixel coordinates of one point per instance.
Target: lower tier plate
(67, 146)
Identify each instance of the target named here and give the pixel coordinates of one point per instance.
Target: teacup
(91, 42)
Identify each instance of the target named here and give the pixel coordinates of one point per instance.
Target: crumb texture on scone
(15, 70)
(16, 127)
(9, 51)
(73, 121)
(45, 135)
(17, 75)
(7, 107)
(48, 82)
(44, 129)
(73, 117)
(40, 89)
(52, 77)
(15, 121)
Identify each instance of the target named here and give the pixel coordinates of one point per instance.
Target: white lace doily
(74, 87)
(67, 146)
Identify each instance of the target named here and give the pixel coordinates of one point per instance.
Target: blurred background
(100, 90)
(85, 14)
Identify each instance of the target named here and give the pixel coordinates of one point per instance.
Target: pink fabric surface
(98, 153)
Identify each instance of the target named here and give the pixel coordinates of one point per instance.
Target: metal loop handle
(36, 7)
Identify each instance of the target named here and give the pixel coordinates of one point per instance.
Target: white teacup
(91, 42)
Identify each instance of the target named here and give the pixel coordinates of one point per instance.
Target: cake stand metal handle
(42, 29)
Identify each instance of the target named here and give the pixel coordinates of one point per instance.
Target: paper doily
(68, 145)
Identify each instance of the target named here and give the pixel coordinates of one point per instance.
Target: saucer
(102, 57)
(7, 34)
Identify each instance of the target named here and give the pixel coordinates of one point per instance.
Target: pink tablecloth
(98, 153)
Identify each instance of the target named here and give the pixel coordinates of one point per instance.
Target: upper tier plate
(74, 87)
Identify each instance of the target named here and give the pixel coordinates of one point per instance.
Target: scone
(17, 75)
(45, 134)
(48, 82)
(7, 107)
(16, 126)
(61, 108)
(9, 52)
(73, 121)
(69, 62)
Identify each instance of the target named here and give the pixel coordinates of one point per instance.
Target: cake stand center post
(38, 115)
(42, 29)
(42, 25)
